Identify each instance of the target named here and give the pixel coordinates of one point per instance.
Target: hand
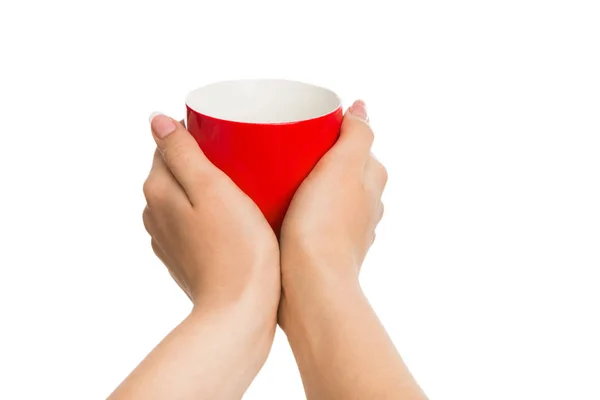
(213, 238)
(341, 348)
(222, 252)
(332, 218)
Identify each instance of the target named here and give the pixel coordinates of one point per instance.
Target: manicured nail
(359, 109)
(161, 125)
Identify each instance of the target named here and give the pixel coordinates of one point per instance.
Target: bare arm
(342, 350)
(208, 356)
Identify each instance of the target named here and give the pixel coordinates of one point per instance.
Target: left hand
(222, 252)
(211, 236)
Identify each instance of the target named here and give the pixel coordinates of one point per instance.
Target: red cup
(266, 135)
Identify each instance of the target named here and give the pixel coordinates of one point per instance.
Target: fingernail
(161, 125)
(359, 109)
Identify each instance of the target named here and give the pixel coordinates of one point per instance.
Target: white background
(486, 113)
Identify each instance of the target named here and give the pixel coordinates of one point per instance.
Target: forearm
(341, 348)
(208, 356)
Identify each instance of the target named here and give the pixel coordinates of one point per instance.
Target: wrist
(314, 325)
(253, 313)
(248, 330)
(313, 288)
(314, 267)
(321, 259)
(250, 291)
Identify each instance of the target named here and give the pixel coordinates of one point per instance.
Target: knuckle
(378, 174)
(368, 134)
(383, 173)
(148, 189)
(154, 190)
(379, 169)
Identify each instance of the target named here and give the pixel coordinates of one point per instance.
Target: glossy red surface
(267, 161)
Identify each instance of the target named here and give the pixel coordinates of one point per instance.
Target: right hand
(341, 348)
(331, 221)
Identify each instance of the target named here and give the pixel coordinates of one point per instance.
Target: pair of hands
(243, 281)
(220, 249)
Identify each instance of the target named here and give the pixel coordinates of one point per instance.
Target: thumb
(356, 136)
(180, 151)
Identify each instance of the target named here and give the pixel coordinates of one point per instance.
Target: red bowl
(266, 135)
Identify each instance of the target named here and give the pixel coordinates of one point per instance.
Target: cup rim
(332, 98)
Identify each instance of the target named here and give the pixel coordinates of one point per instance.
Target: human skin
(223, 254)
(342, 350)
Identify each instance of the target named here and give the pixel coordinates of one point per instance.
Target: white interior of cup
(263, 101)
